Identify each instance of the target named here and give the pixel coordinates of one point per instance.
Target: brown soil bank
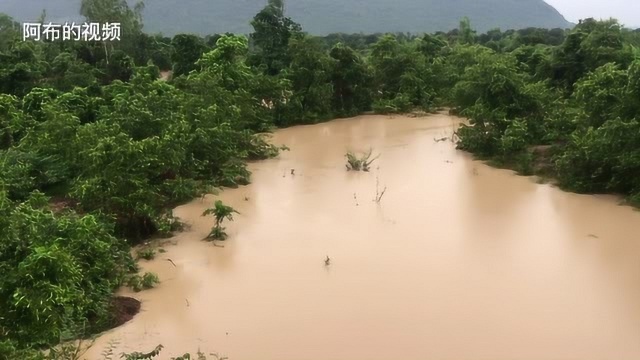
(124, 309)
(458, 260)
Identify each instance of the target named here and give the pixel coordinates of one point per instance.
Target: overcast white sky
(627, 11)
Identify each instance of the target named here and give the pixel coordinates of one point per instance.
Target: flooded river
(458, 260)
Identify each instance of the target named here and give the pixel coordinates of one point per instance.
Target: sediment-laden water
(458, 260)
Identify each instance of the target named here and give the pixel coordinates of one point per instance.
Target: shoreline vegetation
(96, 146)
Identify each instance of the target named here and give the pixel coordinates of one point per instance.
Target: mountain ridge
(318, 17)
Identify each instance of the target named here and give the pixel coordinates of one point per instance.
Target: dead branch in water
(379, 194)
(441, 139)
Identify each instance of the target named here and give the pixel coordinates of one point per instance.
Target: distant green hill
(318, 16)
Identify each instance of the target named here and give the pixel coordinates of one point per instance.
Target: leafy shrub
(399, 104)
(147, 254)
(603, 159)
(361, 163)
(523, 163)
(600, 94)
(515, 138)
(220, 212)
(17, 173)
(60, 271)
(483, 137)
(147, 281)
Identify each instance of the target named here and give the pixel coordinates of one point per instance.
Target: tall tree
(187, 49)
(270, 39)
(9, 31)
(467, 35)
(351, 80)
(116, 11)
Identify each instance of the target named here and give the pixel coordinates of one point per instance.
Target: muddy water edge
(458, 260)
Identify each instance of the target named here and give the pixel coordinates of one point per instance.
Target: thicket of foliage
(115, 147)
(92, 126)
(581, 98)
(58, 271)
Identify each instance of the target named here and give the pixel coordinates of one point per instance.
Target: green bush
(60, 271)
(220, 212)
(147, 281)
(603, 159)
(515, 138)
(397, 105)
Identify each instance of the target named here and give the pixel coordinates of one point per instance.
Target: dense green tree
(310, 78)
(590, 45)
(431, 46)
(358, 42)
(236, 89)
(59, 271)
(270, 38)
(494, 94)
(120, 67)
(117, 11)
(603, 159)
(600, 94)
(20, 69)
(466, 34)
(9, 32)
(631, 102)
(161, 52)
(187, 49)
(11, 120)
(351, 80)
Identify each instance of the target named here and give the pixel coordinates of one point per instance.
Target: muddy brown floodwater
(458, 260)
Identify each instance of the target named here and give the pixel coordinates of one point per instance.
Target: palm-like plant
(220, 212)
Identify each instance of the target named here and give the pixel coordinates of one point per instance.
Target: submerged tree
(361, 163)
(220, 212)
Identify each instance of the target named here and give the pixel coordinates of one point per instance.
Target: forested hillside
(95, 149)
(319, 16)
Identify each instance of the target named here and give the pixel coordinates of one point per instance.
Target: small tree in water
(220, 211)
(359, 163)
